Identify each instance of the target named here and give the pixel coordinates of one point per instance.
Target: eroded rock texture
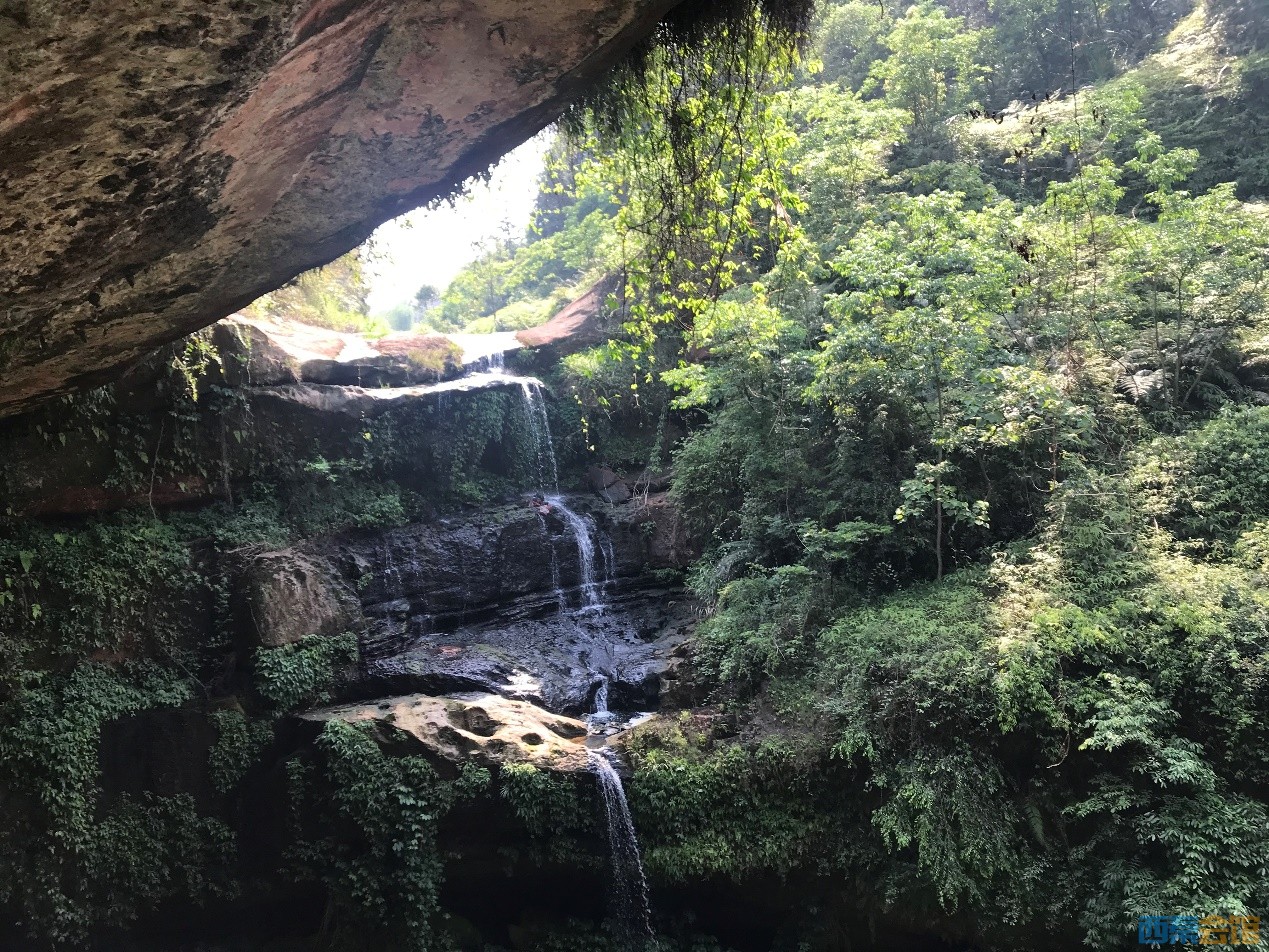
(163, 163)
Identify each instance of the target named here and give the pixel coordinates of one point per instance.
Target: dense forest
(948, 330)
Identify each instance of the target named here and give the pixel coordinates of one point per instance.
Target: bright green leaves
(920, 331)
(842, 146)
(933, 489)
(933, 67)
(1211, 485)
(698, 160)
(302, 673)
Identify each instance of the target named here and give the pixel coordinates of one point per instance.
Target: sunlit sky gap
(430, 246)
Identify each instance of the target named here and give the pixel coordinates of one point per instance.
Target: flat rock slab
(487, 729)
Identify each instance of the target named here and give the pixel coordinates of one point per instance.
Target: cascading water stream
(630, 887)
(540, 428)
(610, 561)
(486, 365)
(581, 529)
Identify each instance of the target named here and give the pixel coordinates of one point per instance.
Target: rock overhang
(163, 164)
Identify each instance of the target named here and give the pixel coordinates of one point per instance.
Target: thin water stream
(631, 909)
(630, 888)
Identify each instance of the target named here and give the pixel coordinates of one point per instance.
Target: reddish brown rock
(162, 164)
(584, 323)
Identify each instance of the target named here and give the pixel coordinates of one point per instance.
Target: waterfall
(581, 529)
(600, 717)
(630, 886)
(540, 429)
(610, 561)
(486, 364)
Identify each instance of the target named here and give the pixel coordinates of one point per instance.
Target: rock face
(275, 393)
(585, 322)
(498, 603)
(259, 352)
(485, 729)
(162, 164)
(288, 595)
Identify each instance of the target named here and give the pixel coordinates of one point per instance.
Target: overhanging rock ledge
(163, 163)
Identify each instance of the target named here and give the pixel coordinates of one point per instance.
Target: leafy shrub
(70, 863)
(1212, 483)
(368, 832)
(120, 583)
(303, 673)
(547, 804)
(239, 742)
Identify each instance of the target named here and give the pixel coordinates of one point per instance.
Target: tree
(849, 41)
(918, 334)
(426, 298)
(1201, 270)
(933, 68)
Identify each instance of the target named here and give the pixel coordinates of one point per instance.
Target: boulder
(485, 729)
(585, 322)
(250, 356)
(554, 657)
(260, 351)
(289, 594)
(608, 485)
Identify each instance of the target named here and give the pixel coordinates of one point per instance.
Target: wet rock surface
(557, 659)
(495, 603)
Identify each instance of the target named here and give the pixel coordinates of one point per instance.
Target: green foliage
(333, 296)
(328, 495)
(1211, 484)
(467, 434)
(368, 832)
(239, 743)
(549, 806)
(761, 626)
(302, 674)
(735, 811)
(1013, 397)
(72, 863)
(517, 284)
(848, 41)
(932, 67)
(1039, 44)
(122, 583)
